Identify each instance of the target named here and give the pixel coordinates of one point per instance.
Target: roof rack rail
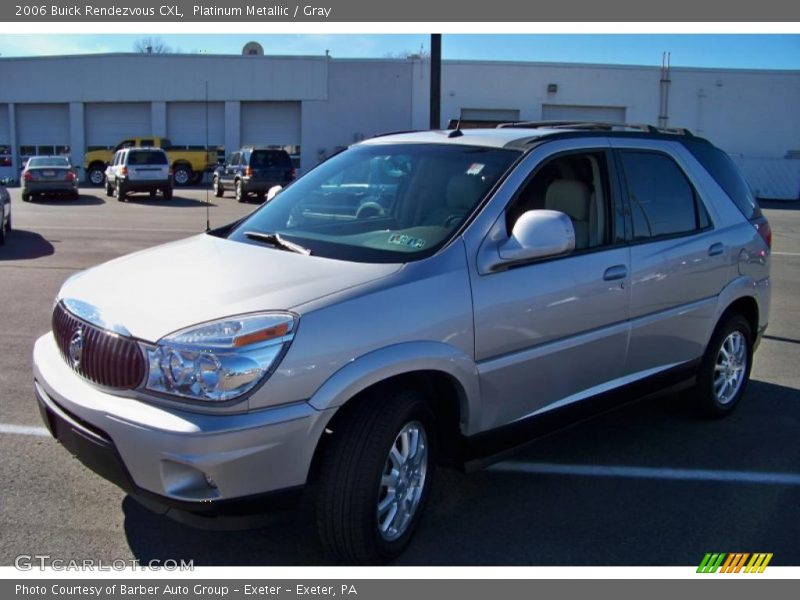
(596, 126)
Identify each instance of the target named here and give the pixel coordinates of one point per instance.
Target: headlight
(220, 360)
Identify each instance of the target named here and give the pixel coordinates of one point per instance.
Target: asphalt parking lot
(649, 484)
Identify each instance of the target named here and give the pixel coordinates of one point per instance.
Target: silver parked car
(49, 175)
(417, 300)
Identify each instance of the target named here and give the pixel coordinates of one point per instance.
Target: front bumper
(210, 464)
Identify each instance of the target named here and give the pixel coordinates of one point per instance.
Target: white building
(315, 105)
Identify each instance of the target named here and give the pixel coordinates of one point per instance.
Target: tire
(218, 191)
(262, 196)
(182, 175)
(121, 193)
(3, 231)
(109, 190)
(241, 195)
(354, 513)
(713, 396)
(96, 175)
(76, 195)
(167, 193)
(26, 197)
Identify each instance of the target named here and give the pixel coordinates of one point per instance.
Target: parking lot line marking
(786, 253)
(23, 430)
(708, 475)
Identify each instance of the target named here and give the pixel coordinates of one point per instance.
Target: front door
(552, 332)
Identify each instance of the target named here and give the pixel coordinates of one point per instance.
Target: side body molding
(406, 357)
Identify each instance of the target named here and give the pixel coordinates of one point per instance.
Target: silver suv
(139, 170)
(418, 300)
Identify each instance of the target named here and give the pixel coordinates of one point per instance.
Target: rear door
(679, 260)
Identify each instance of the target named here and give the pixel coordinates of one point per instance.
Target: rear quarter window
(725, 172)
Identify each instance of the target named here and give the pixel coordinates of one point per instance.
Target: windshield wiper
(276, 240)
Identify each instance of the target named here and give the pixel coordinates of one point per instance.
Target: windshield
(382, 202)
(48, 161)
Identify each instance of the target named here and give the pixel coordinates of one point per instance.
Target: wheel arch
(446, 378)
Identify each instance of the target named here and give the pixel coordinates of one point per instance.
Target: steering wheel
(369, 210)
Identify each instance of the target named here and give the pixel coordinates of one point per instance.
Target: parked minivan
(418, 300)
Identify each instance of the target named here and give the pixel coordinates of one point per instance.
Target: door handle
(716, 249)
(615, 272)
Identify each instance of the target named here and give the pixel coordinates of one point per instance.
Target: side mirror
(273, 191)
(539, 234)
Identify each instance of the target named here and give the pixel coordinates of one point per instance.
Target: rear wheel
(122, 193)
(96, 175)
(218, 191)
(725, 371)
(182, 174)
(167, 193)
(375, 478)
(109, 189)
(26, 197)
(241, 195)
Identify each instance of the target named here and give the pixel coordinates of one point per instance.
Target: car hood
(160, 290)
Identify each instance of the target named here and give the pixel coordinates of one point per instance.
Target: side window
(234, 159)
(722, 168)
(576, 184)
(663, 202)
(148, 143)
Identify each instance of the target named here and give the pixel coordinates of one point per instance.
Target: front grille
(104, 358)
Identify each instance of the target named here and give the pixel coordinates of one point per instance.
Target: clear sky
(770, 51)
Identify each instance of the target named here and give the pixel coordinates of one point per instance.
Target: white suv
(139, 170)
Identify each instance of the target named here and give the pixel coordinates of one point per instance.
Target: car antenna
(208, 215)
(457, 131)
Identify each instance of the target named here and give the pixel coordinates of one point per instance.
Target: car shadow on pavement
(82, 200)
(502, 516)
(176, 201)
(25, 245)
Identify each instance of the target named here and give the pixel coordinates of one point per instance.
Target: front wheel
(376, 477)
(725, 371)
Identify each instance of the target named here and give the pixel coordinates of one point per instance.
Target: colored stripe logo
(734, 562)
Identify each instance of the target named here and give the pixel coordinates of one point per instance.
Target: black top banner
(465, 11)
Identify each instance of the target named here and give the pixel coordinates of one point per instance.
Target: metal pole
(436, 80)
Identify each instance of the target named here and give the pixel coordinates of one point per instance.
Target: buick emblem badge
(76, 348)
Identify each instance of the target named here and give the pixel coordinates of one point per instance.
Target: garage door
(108, 123)
(186, 123)
(5, 130)
(42, 124)
(567, 112)
(270, 123)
